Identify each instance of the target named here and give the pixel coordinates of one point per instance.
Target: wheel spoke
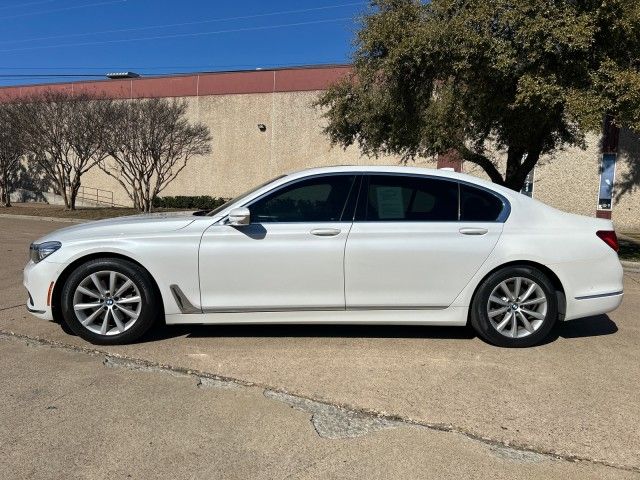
(85, 306)
(105, 323)
(535, 301)
(498, 300)
(96, 281)
(497, 311)
(92, 317)
(526, 323)
(516, 288)
(112, 282)
(506, 290)
(118, 320)
(135, 299)
(123, 288)
(533, 314)
(529, 291)
(87, 292)
(128, 312)
(514, 326)
(504, 321)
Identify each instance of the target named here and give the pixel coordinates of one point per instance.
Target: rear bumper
(591, 287)
(595, 304)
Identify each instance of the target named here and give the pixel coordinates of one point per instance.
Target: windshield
(240, 197)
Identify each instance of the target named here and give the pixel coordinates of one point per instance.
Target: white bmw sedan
(339, 245)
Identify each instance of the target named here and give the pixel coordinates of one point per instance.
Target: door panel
(273, 266)
(411, 246)
(292, 254)
(413, 264)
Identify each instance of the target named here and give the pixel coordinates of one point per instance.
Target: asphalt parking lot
(313, 401)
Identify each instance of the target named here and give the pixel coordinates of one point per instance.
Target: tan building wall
(243, 156)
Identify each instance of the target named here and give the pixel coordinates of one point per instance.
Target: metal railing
(96, 195)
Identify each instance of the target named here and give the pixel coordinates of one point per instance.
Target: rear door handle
(473, 231)
(325, 232)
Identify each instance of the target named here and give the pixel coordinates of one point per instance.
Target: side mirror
(239, 217)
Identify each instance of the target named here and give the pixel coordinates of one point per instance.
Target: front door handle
(473, 231)
(325, 232)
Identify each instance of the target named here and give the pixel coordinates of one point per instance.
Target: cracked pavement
(313, 401)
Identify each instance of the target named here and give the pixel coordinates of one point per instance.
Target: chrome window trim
(363, 174)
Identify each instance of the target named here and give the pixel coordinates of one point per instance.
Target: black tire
(482, 324)
(149, 305)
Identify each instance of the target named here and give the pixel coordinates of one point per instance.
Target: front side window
(318, 199)
(400, 198)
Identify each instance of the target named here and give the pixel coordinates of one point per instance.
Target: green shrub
(202, 202)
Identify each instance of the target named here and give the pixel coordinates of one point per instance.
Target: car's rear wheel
(109, 301)
(516, 306)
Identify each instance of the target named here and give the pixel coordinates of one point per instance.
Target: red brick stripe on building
(221, 83)
(603, 214)
(451, 159)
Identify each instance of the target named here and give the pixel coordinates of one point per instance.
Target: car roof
(405, 170)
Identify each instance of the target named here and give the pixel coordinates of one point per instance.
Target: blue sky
(93, 37)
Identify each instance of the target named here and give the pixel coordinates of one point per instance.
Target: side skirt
(452, 316)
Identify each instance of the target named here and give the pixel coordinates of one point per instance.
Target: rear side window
(400, 198)
(318, 199)
(477, 205)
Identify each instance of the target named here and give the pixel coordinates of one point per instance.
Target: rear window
(398, 198)
(477, 205)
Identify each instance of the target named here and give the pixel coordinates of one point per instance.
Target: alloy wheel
(517, 307)
(107, 303)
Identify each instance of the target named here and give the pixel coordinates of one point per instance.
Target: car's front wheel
(515, 307)
(109, 301)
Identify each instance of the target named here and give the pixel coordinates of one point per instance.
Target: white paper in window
(390, 203)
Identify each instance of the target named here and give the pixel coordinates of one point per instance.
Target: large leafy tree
(520, 77)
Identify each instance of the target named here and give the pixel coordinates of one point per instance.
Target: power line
(20, 5)
(188, 68)
(178, 35)
(64, 9)
(91, 75)
(184, 24)
(55, 75)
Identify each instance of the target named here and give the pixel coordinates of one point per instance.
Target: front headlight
(40, 251)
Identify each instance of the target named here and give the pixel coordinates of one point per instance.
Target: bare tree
(12, 150)
(150, 143)
(65, 133)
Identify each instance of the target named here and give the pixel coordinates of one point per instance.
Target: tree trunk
(6, 195)
(519, 164)
(62, 191)
(73, 195)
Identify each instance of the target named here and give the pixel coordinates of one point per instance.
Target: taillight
(609, 237)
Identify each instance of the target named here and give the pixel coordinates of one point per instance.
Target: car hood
(123, 226)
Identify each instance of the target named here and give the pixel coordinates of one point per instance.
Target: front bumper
(39, 280)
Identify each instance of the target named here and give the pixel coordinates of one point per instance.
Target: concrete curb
(630, 266)
(45, 219)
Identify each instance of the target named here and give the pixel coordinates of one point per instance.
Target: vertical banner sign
(607, 177)
(527, 188)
